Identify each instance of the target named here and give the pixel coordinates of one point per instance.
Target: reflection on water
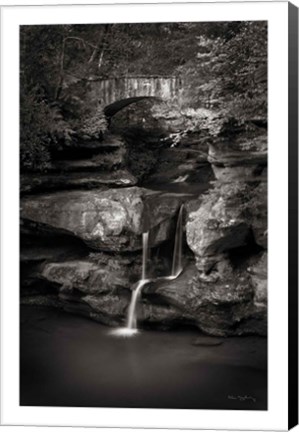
(71, 361)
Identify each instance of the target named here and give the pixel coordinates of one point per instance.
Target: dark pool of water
(71, 361)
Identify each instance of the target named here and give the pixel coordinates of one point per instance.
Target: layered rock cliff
(82, 225)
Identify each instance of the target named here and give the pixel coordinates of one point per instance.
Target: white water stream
(176, 270)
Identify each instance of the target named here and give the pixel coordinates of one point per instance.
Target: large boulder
(218, 224)
(111, 220)
(108, 309)
(219, 309)
(229, 216)
(39, 249)
(113, 310)
(96, 274)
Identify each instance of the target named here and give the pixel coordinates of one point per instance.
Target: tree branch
(80, 40)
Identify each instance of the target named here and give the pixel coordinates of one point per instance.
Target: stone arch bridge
(115, 89)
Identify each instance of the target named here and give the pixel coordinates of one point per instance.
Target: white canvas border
(276, 416)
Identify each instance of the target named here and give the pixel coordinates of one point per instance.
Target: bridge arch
(115, 107)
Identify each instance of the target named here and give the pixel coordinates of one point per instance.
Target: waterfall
(176, 270)
(131, 327)
(144, 254)
(178, 243)
(132, 321)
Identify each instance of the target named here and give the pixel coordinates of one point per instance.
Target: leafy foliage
(41, 126)
(144, 149)
(230, 74)
(94, 125)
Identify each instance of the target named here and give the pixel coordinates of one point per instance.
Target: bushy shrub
(83, 111)
(41, 126)
(93, 125)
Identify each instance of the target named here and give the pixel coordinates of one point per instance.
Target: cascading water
(176, 270)
(144, 254)
(132, 321)
(131, 327)
(177, 266)
(178, 246)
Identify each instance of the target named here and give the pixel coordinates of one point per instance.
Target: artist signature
(242, 398)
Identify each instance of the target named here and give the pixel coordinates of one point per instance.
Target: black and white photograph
(143, 215)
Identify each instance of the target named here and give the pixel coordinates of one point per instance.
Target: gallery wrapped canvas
(151, 215)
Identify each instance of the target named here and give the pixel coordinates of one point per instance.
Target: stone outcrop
(228, 307)
(97, 274)
(222, 291)
(75, 180)
(111, 309)
(111, 220)
(216, 308)
(218, 225)
(237, 165)
(226, 229)
(241, 157)
(258, 272)
(83, 237)
(83, 164)
(257, 212)
(179, 165)
(99, 287)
